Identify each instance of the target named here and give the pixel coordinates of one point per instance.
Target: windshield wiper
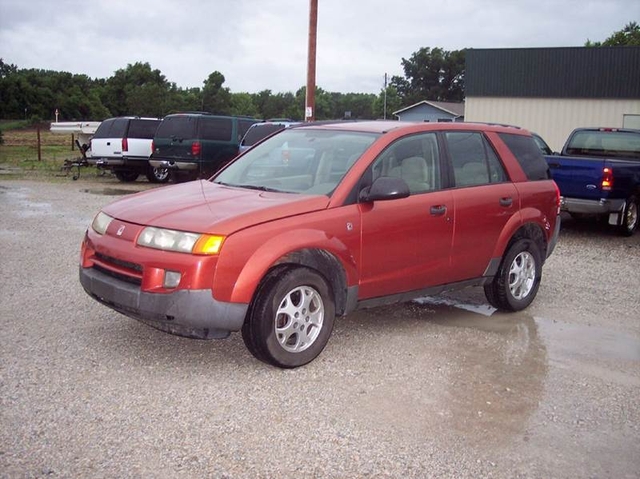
(251, 187)
(259, 188)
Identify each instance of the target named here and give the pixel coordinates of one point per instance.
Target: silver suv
(123, 145)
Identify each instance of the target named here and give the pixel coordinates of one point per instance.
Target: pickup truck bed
(600, 181)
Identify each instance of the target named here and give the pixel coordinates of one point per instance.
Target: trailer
(82, 132)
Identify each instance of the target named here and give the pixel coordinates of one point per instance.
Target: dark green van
(196, 145)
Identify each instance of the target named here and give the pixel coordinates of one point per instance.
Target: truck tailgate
(577, 177)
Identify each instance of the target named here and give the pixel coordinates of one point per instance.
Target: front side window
(415, 159)
(473, 160)
(307, 161)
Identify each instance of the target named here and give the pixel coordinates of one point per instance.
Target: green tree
(216, 98)
(242, 104)
(136, 90)
(394, 103)
(628, 36)
(431, 74)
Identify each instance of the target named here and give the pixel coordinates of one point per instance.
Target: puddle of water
(109, 191)
(483, 309)
(578, 340)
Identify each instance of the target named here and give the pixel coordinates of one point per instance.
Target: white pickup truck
(123, 146)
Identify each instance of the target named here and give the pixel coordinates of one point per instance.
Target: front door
(406, 243)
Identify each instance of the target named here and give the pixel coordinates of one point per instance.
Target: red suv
(318, 221)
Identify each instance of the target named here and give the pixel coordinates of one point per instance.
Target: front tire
(629, 223)
(291, 318)
(518, 279)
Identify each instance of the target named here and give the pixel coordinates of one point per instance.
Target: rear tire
(516, 284)
(126, 176)
(629, 223)
(290, 319)
(157, 175)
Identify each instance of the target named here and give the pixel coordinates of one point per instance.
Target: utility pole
(310, 101)
(385, 96)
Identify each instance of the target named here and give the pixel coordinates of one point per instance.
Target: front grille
(118, 268)
(119, 262)
(123, 277)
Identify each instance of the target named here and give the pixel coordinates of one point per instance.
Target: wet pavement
(440, 387)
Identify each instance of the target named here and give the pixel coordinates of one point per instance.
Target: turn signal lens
(208, 244)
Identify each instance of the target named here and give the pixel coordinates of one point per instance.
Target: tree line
(429, 74)
(140, 90)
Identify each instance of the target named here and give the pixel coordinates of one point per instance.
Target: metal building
(553, 90)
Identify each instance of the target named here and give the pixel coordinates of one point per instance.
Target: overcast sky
(262, 44)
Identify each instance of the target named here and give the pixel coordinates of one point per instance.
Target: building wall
(553, 119)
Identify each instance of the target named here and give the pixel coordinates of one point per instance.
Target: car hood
(206, 207)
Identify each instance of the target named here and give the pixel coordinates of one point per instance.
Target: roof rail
(488, 123)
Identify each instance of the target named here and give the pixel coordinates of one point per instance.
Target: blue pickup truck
(598, 173)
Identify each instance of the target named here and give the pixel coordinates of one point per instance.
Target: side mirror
(385, 188)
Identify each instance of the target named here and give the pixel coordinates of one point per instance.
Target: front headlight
(101, 223)
(179, 241)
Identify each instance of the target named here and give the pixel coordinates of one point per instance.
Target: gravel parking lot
(440, 387)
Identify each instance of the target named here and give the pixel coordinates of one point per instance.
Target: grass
(19, 153)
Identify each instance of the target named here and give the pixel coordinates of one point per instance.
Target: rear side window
(142, 128)
(243, 127)
(474, 161)
(181, 126)
(528, 155)
(259, 132)
(216, 129)
(112, 128)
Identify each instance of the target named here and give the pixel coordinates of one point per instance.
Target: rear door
(139, 138)
(484, 201)
(107, 141)
(174, 136)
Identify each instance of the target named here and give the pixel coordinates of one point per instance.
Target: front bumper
(189, 313)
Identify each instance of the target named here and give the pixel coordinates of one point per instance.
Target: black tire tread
(496, 290)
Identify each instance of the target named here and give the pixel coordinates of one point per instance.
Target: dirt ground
(439, 387)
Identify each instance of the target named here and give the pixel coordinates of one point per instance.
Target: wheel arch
(534, 232)
(324, 263)
(312, 249)
(528, 224)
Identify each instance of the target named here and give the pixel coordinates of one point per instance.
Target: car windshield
(300, 160)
